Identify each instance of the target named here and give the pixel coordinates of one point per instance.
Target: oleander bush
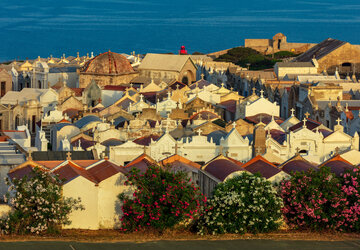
(38, 205)
(244, 204)
(161, 200)
(350, 216)
(315, 200)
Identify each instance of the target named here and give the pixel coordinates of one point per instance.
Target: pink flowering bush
(161, 200)
(314, 200)
(38, 205)
(350, 216)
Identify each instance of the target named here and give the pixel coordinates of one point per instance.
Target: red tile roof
(146, 140)
(337, 165)
(259, 164)
(222, 168)
(78, 91)
(297, 164)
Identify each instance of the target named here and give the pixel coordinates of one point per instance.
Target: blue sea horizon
(42, 28)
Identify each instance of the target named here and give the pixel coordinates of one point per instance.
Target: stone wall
(345, 54)
(4, 210)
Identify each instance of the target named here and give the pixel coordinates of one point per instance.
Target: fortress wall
(257, 42)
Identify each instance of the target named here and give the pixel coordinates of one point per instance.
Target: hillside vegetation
(243, 56)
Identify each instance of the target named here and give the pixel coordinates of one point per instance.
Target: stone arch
(346, 67)
(188, 77)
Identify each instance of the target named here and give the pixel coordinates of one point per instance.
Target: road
(186, 245)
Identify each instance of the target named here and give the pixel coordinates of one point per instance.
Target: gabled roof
(320, 50)
(221, 167)
(174, 159)
(70, 171)
(146, 140)
(337, 165)
(260, 165)
(296, 164)
(164, 62)
(143, 162)
(310, 124)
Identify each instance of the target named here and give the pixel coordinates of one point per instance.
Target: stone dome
(108, 63)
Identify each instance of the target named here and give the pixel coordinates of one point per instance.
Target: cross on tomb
(131, 85)
(307, 115)
(112, 121)
(103, 119)
(199, 131)
(29, 158)
(304, 121)
(261, 93)
(202, 76)
(234, 124)
(258, 150)
(253, 90)
(338, 121)
(297, 150)
(141, 97)
(222, 85)
(292, 111)
(68, 156)
(169, 94)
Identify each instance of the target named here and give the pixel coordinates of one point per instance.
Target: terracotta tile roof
(337, 165)
(260, 165)
(310, 124)
(201, 84)
(104, 170)
(180, 85)
(115, 87)
(222, 168)
(84, 143)
(296, 164)
(204, 115)
(146, 140)
(21, 172)
(71, 112)
(70, 171)
(64, 121)
(265, 118)
(177, 158)
(142, 163)
(230, 105)
(278, 135)
(78, 91)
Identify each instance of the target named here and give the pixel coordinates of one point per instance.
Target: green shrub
(161, 200)
(243, 56)
(38, 205)
(245, 203)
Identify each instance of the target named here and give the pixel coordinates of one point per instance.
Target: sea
(32, 28)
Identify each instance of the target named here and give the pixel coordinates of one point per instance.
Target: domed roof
(108, 63)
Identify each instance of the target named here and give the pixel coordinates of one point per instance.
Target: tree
(38, 204)
(161, 200)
